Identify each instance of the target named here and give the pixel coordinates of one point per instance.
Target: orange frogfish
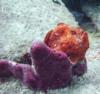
(73, 41)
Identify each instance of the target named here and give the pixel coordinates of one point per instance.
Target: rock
(23, 21)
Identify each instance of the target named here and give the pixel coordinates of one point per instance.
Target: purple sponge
(49, 69)
(5, 69)
(53, 68)
(80, 68)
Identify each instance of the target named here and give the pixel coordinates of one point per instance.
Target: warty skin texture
(72, 41)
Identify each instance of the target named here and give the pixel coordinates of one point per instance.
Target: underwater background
(22, 21)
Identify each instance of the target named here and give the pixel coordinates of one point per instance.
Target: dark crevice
(75, 7)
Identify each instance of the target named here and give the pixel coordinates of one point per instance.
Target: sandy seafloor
(23, 21)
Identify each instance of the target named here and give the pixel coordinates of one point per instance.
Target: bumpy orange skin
(73, 41)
